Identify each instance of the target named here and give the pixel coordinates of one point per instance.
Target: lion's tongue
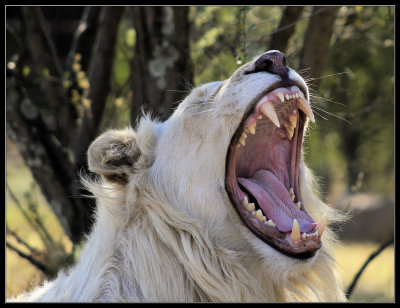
(275, 201)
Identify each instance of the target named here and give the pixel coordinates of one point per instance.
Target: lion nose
(273, 62)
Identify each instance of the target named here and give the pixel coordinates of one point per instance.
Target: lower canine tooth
(298, 204)
(321, 224)
(295, 235)
(242, 141)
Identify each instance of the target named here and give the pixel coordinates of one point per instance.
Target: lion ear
(113, 155)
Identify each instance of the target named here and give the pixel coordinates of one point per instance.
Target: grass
(375, 285)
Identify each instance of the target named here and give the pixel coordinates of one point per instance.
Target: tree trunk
(286, 28)
(50, 134)
(161, 65)
(100, 69)
(316, 42)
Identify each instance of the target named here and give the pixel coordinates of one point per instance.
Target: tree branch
(364, 266)
(84, 36)
(48, 69)
(162, 59)
(30, 258)
(100, 70)
(286, 28)
(18, 239)
(316, 42)
(49, 164)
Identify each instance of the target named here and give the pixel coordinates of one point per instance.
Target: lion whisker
(330, 113)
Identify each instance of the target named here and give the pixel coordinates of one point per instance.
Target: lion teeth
(291, 193)
(252, 128)
(298, 204)
(295, 235)
(268, 110)
(303, 105)
(270, 223)
(293, 120)
(281, 96)
(259, 215)
(321, 224)
(289, 131)
(249, 206)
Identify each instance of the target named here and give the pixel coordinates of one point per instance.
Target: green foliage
(361, 100)
(353, 138)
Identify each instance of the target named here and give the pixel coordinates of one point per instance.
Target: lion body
(165, 230)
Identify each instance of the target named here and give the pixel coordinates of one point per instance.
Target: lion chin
(214, 204)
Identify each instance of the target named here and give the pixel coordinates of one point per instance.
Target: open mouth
(262, 173)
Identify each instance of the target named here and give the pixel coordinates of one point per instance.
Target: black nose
(273, 62)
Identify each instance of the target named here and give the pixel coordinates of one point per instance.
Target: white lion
(214, 204)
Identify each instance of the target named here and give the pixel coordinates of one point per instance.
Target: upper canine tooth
(298, 204)
(268, 110)
(281, 96)
(321, 224)
(295, 235)
(242, 141)
(303, 105)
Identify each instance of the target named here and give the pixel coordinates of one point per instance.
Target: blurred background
(74, 72)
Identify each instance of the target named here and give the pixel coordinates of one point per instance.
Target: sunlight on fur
(165, 227)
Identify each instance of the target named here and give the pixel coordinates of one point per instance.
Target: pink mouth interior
(268, 166)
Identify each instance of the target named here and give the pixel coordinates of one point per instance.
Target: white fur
(170, 233)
